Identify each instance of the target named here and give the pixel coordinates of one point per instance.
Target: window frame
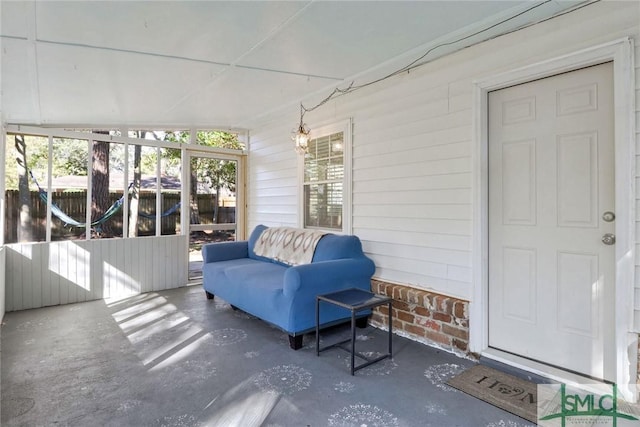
(51, 133)
(345, 127)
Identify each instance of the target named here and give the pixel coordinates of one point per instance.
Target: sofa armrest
(329, 276)
(224, 251)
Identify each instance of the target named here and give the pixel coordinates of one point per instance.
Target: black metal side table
(355, 300)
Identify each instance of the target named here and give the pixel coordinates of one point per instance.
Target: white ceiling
(218, 63)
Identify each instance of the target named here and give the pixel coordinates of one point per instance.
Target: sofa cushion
(215, 271)
(253, 238)
(333, 246)
(255, 287)
(257, 275)
(291, 246)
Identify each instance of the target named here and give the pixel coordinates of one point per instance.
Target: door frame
(620, 52)
(190, 151)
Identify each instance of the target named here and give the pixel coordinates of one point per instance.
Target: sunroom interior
(135, 132)
(138, 78)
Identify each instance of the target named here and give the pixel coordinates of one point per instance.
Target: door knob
(609, 239)
(608, 216)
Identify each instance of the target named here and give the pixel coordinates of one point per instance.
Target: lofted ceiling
(219, 63)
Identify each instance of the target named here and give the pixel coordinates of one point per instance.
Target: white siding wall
(272, 188)
(412, 150)
(44, 274)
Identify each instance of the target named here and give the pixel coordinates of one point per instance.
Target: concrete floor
(174, 358)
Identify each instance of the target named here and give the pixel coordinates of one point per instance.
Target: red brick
(460, 344)
(384, 289)
(383, 309)
(399, 305)
(442, 317)
(444, 304)
(459, 310)
(400, 293)
(424, 300)
(463, 323)
(406, 317)
(421, 311)
(375, 287)
(429, 302)
(455, 332)
(378, 286)
(412, 296)
(415, 330)
(428, 323)
(378, 318)
(438, 337)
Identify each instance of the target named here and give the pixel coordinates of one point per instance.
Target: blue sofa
(281, 294)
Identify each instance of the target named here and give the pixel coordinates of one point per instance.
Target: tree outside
(70, 160)
(216, 174)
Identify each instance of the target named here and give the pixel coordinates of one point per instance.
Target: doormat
(505, 391)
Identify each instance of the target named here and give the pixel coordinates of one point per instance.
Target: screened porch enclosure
(86, 222)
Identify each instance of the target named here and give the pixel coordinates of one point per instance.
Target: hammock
(173, 209)
(106, 216)
(55, 210)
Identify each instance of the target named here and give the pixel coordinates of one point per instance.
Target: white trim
(63, 133)
(3, 155)
(537, 368)
(215, 227)
(125, 193)
(158, 225)
(346, 127)
(621, 53)
(49, 188)
(87, 218)
(187, 155)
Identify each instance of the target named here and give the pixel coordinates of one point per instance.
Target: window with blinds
(323, 182)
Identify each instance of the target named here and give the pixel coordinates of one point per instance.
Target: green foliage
(37, 155)
(217, 174)
(70, 157)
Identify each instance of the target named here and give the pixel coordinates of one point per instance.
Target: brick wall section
(424, 315)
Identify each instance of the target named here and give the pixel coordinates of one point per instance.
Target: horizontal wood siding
(273, 179)
(412, 150)
(45, 274)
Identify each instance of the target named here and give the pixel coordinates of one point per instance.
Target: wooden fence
(74, 204)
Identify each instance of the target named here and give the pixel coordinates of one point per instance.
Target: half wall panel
(44, 274)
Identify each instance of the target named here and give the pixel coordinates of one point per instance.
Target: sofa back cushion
(253, 238)
(333, 246)
(330, 246)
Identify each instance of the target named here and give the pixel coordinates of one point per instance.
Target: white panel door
(551, 169)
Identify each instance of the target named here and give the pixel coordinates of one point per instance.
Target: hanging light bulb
(301, 139)
(301, 135)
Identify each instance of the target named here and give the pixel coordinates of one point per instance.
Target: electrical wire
(418, 61)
